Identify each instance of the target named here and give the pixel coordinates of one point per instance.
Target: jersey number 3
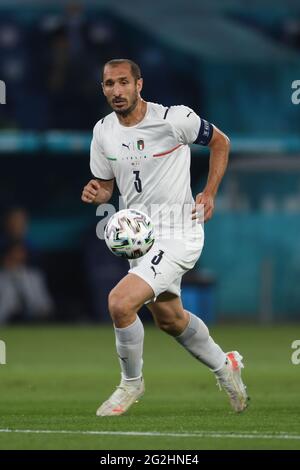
(137, 181)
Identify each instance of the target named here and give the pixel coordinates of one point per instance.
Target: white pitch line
(200, 434)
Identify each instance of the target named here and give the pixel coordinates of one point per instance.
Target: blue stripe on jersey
(205, 133)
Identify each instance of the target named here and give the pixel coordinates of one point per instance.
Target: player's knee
(119, 306)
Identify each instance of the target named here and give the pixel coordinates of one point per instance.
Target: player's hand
(204, 207)
(90, 191)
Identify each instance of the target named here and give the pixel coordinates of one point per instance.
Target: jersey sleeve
(99, 164)
(189, 127)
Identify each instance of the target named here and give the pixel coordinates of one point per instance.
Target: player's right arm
(97, 192)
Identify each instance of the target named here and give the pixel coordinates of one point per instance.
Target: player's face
(120, 88)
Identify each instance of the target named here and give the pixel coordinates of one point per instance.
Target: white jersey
(151, 162)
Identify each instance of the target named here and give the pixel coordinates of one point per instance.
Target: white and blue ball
(129, 233)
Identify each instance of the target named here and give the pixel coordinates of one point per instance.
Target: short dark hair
(135, 69)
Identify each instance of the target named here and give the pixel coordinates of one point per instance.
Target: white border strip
(200, 434)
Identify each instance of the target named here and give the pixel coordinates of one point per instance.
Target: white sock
(196, 340)
(129, 343)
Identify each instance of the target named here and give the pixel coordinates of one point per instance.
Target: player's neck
(136, 116)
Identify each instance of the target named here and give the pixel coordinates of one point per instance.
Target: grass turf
(56, 377)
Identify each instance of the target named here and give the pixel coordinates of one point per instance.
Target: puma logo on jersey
(127, 146)
(155, 273)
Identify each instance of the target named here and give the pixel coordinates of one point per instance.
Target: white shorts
(167, 261)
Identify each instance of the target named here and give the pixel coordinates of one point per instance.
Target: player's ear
(102, 86)
(139, 84)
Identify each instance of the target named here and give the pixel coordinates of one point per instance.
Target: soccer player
(145, 147)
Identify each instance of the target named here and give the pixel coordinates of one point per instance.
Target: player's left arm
(189, 128)
(219, 146)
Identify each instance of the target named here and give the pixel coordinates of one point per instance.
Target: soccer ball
(129, 233)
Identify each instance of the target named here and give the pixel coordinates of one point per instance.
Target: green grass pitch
(56, 377)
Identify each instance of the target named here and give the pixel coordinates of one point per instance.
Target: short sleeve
(100, 166)
(188, 126)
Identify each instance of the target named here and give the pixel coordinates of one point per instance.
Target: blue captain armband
(205, 133)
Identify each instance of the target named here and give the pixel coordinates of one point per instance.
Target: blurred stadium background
(234, 63)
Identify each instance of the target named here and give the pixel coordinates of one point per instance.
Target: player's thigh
(167, 310)
(130, 294)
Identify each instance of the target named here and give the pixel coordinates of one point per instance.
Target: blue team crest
(140, 144)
